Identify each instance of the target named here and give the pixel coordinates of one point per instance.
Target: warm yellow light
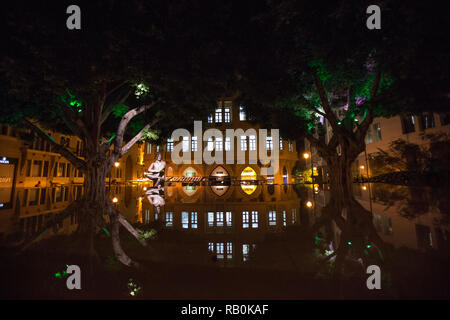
(115, 200)
(309, 204)
(306, 155)
(362, 167)
(116, 164)
(364, 187)
(315, 168)
(145, 188)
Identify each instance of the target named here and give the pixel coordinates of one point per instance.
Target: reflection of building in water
(415, 218)
(33, 207)
(231, 225)
(228, 115)
(36, 182)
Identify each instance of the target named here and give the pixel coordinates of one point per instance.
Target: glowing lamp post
(116, 164)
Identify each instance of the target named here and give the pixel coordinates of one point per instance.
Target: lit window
(210, 144)
(254, 219)
(229, 250)
(245, 219)
(211, 247)
(157, 148)
(272, 218)
(149, 148)
(293, 216)
(227, 143)
(245, 251)
(194, 144)
(228, 219)
(169, 144)
(169, 219)
(281, 143)
(210, 219)
(219, 250)
(369, 136)
(194, 220)
(408, 124)
(284, 218)
(269, 143)
(427, 120)
(185, 220)
(210, 118)
(244, 143)
(219, 145)
(242, 115)
(227, 115)
(252, 142)
(185, 144)
(218, 115)
(290, 145)
(377, 131)
(219, 219)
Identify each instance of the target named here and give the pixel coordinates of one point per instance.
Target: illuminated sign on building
(7, 176)
(4, 160)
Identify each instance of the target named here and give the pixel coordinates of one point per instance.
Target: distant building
(228, 115)
(382, 132)
(35, 181)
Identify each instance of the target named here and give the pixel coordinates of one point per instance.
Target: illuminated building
(227, 115)
(381, 133)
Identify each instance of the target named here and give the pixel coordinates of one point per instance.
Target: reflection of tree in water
(353, 245)
(411, 202)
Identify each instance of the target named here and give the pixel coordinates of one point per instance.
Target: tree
(322, 59)
(132, 67)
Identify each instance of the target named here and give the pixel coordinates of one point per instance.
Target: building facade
(228, 115)
(382, 132)
(36, 182)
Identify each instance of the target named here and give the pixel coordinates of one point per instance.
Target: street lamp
(116, 164)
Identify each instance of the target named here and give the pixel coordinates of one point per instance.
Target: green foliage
(120, 110)
(147, 234)
(150, 135)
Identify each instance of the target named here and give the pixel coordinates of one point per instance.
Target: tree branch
(329, 114)
(77, 162)
(137, 137)
(110, 106)
(124, 123)
(362, 129)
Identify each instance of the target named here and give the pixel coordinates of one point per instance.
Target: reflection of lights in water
(133, 287)
(219, 190)
(309, 204)
(248, 175)
(115, 200)
(249, 189)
